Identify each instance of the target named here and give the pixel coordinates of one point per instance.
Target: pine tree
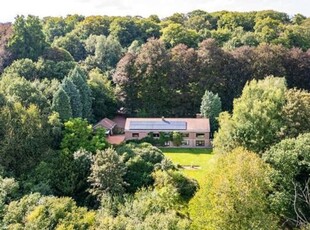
(74, 95)
(79, 79)
(211, 106)
(61, 104)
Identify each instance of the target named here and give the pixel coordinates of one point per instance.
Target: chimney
(198, 115)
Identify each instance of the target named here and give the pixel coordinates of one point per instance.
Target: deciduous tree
(256, 121)
(107, 173)
(291, 159)
(235, 194)
(28, 40)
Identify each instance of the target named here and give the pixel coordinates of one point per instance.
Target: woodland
(249, 72)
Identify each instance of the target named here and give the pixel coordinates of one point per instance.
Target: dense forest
(61, 75)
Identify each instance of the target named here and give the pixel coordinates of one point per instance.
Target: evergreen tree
(79, 79)
(211, 107)
(74, 95)
(61, 104)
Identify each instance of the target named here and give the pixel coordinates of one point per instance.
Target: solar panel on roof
(157, 125)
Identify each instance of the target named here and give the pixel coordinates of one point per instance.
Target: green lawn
(188, 156)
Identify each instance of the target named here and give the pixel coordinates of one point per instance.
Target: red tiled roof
(192, 124)
(105, 123)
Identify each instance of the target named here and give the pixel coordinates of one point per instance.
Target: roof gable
(105, 123)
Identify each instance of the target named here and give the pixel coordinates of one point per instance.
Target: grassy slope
(202, 157)
(187, 156)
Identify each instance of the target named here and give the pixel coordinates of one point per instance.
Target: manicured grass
(188, 156)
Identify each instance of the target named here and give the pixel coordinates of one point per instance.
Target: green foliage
(55, 27)
(175, 34)
(221, 35)
(78, 133)
(49, 157)
(24, 138)
(72, 166)
(53, 69)
(236, 194)
(78, 77)
(211, 106)
(57, 54)
(61, 104)
(149, 28)
(22, 68)
(267, 29)
(125, 30)
(43, 68)
(75, 97)
(8, 186)
(140, 161)
(232, 20)
(72, 43)
(296, 113)
(28, 40)
(47, 87)
(104, 102)
(39, 179)
(93, 25)
(290, 158)
(177, 138)
(107, 172)
(104, 52)
(68, 175)
(41, 212)
(2, 100)
(18, 89)
(144, 211)
(184, 186)
(256, 120)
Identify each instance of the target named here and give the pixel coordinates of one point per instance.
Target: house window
(200, 143)
(185, 142)
(135, 135)
(185, 134)
(156, 135)
(200, 135)
(167, 143)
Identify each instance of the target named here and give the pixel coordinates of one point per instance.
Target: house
(195, 131)
(107, 124)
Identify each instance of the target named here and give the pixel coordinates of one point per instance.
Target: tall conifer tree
(61, 104)
(74, 95)
(79, 79)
